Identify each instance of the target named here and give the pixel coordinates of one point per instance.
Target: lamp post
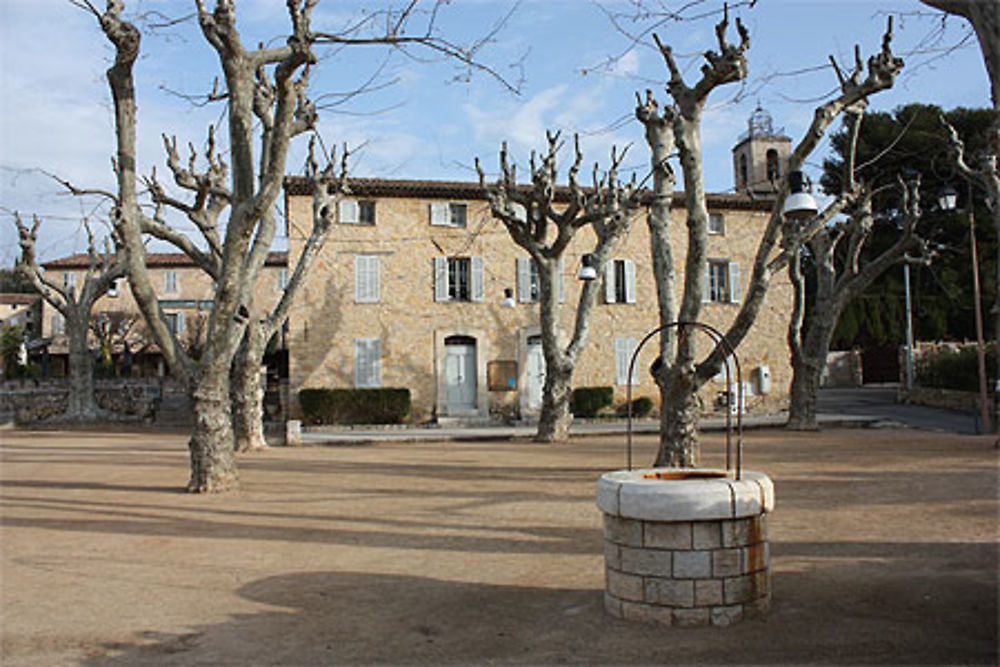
(907, 260)
(948, 199)
(799, 204)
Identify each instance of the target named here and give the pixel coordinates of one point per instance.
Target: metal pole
(909, 326)
(984, 413)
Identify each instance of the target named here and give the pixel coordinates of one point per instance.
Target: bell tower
(760, 157)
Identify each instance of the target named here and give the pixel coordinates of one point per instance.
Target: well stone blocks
(688, 571)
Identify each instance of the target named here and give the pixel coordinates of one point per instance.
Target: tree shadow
(364, 618)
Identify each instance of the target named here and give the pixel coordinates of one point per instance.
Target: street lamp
(948, 200)
(799, 204)
(588, 267)
(508, 298)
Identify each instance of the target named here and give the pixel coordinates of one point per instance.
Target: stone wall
(843, 369)
(29, 402)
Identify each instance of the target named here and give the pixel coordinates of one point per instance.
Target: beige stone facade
(185, 293)
(409, 291)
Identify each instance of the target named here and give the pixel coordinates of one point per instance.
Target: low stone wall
(843, 369)
(950, 399)
(28, 402)
(686, 552)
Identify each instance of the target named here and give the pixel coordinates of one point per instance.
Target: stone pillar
(686, 547)
(293, 433)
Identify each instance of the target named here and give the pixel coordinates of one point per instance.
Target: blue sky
(55, 112)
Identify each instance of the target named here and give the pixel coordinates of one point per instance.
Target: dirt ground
(884, 550)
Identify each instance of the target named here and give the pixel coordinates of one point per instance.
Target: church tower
(760, 157)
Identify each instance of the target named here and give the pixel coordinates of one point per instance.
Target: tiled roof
(154, 259)
(469, 190)
(18, 298)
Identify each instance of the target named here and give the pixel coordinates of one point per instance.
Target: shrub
(641, 407)
(954, 369)
(354, 406)
(588, 401)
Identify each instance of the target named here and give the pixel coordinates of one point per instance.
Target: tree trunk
(213, 458)
(806, 374)
(248, 394)
(679, 424)
(82, 404)
(553, 422)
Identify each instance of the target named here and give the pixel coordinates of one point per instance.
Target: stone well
(684, 546)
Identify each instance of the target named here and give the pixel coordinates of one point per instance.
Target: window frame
(720, 228)
(367, 351)
(620, 281)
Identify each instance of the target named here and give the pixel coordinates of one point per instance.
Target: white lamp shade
(800, 206)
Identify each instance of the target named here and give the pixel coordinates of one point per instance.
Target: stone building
(760, 156)
(409, 291)
(185, 294)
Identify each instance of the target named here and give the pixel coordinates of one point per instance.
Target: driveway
(880, 401)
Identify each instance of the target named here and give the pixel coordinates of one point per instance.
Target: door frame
(482, 394)
(522, 370)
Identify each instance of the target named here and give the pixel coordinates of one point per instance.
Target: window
(624, 349)
(716, 224)
(619, 281)
(282, 279)
(448, 214)
(58, 325)
(366, 279)
(69, 280)
(744, 172)
(356, 212)
(722, 282)
(170, 282)
(528, 290)
(175, 322)
(773, 166)
(458, 278)
(367, 363)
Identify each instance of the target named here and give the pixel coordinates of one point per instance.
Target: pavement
(853, 407)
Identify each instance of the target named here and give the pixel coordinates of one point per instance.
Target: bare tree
(75, 305)
(679, 376)
(834, 260)
(265, 88)
(543, 219)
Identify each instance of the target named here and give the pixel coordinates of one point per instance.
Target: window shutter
(735, 292)
(366, 279)
(367, 362)
(478, 286)
(706, 288)
(440, 214)
(562, 280)
(180, 323)
(347, 211)
(629, 281)
(441, 279)
(624, 348)
(524, 279)
(609, 281)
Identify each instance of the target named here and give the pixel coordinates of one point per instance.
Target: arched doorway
(460, 378)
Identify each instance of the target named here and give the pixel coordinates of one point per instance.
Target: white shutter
(367, 362)
(706, 288)
(524, 279)
(629, 281)
(366, 279)
(735, 291)
(624, 348)
(478, 287)
(609, 281)
(347, 211)
(180, 323)
(440, 214)
(441, 279)
(562, 280)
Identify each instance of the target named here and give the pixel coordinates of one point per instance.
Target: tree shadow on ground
(821, 616)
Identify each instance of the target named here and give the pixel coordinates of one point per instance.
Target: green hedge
(955, 369)
(354, 406)
(641, 407)
(588, 401)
